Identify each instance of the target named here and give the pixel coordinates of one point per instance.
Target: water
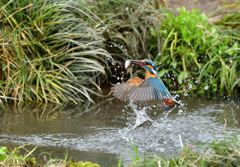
(100, 132)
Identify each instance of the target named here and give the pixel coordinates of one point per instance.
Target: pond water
(100, 132)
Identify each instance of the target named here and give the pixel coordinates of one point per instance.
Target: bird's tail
(170, 104)
(166, 107)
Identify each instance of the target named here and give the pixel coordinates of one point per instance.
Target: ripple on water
(116, 127)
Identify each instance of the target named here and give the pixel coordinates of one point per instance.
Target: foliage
(193, 54)
(217, 153)
(3, 153)
(196, 55)
(58, 51)
(82, 164)
(51, 51)
(128, 24)
(12, 157)
(127, 27)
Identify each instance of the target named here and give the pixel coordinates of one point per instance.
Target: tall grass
(220, 152)
(128, 26)
(51, 51)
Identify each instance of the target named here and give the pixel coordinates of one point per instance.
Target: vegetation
(193, 55)
(220, 152)
(51, 51)
(197, 55)
(12, 158)
(60, 51)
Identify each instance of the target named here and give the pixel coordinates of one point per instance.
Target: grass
(50, 51)
(219, 152)
(128, 27)
(12, 158)
(63, 51)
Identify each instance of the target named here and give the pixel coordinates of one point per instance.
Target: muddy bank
(205, 6)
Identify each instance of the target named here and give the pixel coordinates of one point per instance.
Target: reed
(128, 26)
(51, 51)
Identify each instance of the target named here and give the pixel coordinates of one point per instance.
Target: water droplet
(180, 111)
(190, 86)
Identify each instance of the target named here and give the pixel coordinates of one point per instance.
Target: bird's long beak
(137, 62)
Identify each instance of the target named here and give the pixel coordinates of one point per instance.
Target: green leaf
(181, 77)
(162, 72)
(174, 64)
(3, 150)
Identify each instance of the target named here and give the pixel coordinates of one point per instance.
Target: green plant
(220, 152)
(73, 163)
(3, 153)
(12, 157)
(128, 26)
(51, 51)
(195, 55)
(135, 152)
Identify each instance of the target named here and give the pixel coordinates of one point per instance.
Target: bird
(145, 91)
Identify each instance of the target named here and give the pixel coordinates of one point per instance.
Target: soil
(205, 6)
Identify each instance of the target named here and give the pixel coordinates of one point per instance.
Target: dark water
(100, 132)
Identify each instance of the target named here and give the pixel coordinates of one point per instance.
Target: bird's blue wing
(151, 89)
(160, 91)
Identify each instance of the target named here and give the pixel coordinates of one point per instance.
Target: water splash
(141, 117)
(115, 126)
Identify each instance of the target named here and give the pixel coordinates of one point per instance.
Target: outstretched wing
(121, 91)
(152, 89)
(145, 92)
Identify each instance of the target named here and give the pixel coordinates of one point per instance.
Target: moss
(73, 163)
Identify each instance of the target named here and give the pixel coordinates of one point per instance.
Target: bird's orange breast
(148, 75)
(135, 81)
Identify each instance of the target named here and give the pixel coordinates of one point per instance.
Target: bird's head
(147, 64)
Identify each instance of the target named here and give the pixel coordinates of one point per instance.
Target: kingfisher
(145, 91)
